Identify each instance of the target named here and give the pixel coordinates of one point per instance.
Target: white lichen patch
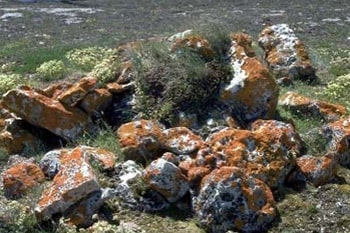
(239, 74)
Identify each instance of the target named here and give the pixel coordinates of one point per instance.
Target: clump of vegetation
(51, 70)
(106, 70)
(337, 90)
(168, 83)
(87, 58)
(340, 65)
(9, 81)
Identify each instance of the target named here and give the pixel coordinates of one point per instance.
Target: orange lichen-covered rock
(20, 177)
(318, 170)
(285, 53)
(303, 105)
(140, 140)
(338, 133)
(14, 138)
(96, 100)
(194, 41)
(231, 200)
(77, 92)
(81, 213)
(54, 90)
(181, 140)
(74, 181)
(252, 92)
(167, 179)
(45, 112)
(104, 158)
(268, 152)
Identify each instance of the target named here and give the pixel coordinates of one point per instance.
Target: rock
(104, 159)
(181, 140)
(194, 41)
(268, 152)
(285, 53)
(116, 88)
(74, 181)
(47, 113)
(338, 134)
(303, 105)
(80, 214)
(50, 163)
(21, 177)
(252, 92)
(132, 190)
(77, 92)
(54, 90)
(140, 140)
(318, 170)
(96, 101)
(14, 138)
(231, 200)
(167, 179)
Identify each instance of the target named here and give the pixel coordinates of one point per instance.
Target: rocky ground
(323, 26)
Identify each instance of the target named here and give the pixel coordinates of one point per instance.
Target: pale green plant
(8, 82)
(19, 218)
(106, 70)
(337, 90)
(51, 70)
(87, 58)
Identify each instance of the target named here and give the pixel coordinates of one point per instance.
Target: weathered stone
(167, 179)
(53, 91)
(285, 53)
(268, 152)
(252, 92)
(181, 140)
(318, 170)
(20, 177)
(74, 181)
(194, 41)
(77, 92)
(81, 213)
(171, 157)
(13, 138)
(338, 133)
(231, 200)
(50, 163)
(96, 101)
(45, 112)
(140, 140)
(117, 88)
(104, 158)
(303, 105)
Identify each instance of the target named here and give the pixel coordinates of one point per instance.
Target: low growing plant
(9, 81)
(51, 70)
(87, 58)
(337, 90)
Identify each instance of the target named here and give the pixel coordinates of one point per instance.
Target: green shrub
(51, 70)
(337, 90)
(87, 58)
(168, 83)
(106, 70)
(9, 81)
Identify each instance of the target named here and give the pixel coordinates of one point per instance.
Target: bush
(168, 83)
(8, 82)
(106, 70)
(51, 70)
(87, 58)
(337, 90)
